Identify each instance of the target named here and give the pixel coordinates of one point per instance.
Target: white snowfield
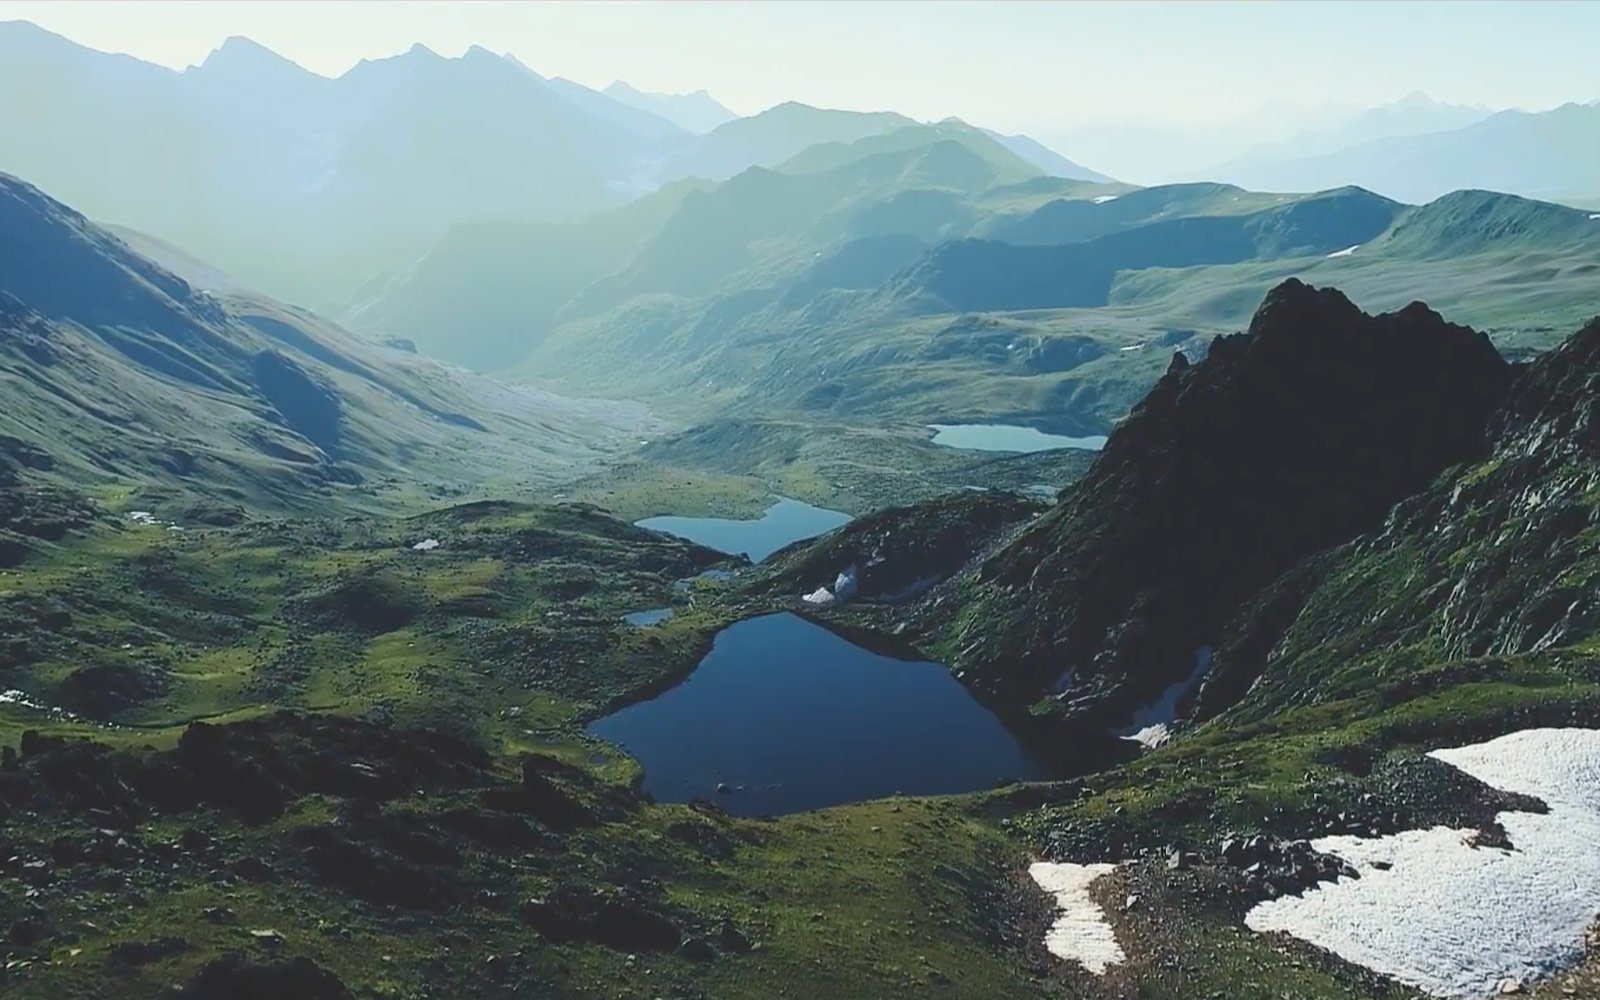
(1081, 933)
(1456, 920)
(1102, 199)
(1347, 251)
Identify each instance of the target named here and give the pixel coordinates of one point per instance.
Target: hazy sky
(1017, 66)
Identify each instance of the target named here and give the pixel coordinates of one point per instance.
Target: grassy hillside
(122, 377)
(1069, 336)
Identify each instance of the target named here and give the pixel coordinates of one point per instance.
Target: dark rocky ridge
(1295, 436)
(1495, 560)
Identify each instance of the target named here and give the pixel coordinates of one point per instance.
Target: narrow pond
(784, 522)
(783, 716)
(1009, 437)
(644, 619)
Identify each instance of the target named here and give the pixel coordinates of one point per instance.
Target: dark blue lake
(792, 717)
(1009, 437)
(784, 522)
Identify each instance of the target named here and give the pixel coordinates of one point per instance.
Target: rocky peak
(1289, 438)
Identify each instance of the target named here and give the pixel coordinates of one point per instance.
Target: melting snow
(21, 699)
(1102, 199)
(1081, 933)
(1347, 251)
(1458, 921)
(844, 588)
(141, 517)
(1152, 724)
(426, 545)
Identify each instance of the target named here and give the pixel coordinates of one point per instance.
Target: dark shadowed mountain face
(1496, 560)
(115, 370)
(1294, 436)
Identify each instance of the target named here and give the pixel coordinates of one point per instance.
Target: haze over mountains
(305, 186)
(308, 188)
(380, 453)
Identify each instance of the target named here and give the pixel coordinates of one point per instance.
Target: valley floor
(509, 854)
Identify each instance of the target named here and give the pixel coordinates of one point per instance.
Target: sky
(1024, 66)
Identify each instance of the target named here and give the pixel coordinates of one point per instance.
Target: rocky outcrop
(1295, 436)
(1499, 558)
(234, 977)
(897, 553)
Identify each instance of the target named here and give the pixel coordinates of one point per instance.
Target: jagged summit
(1291, 437)
(240, 54)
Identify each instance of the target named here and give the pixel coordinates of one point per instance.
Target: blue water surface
(784, 522)
(1009, 437)
(787, 716)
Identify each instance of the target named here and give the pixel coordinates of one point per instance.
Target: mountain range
(696, 112)
(1534, 154)
(306, 187)
(929, 274)
(311, 622)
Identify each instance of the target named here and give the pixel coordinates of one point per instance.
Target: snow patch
(141, 517)
(844, 588)
(1133, 347)
(22, 700)
(426, 545)
(1595, 216)
(1080, 933)
(1152, 724)
(1347, 251)
(1102, 199)
(822, 595)
(1455, 920)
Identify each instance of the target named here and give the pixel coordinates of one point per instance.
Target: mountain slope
(305, 186)
(117, 371)
(486, 294)
(1287, 439)
(1047, 159)
(1496, 560)
(775, 135)
(696, 112)
(990, 276)
(1546, 154)
(1413, 115)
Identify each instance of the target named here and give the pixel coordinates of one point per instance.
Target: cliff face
(1500, 558)
(1295, 436)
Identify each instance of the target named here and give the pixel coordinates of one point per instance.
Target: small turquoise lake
(785, 522)
(1009, 437)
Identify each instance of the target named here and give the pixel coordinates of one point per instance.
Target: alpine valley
(467, 533)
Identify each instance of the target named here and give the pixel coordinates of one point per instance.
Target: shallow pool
(785, 522)
(1009, 437)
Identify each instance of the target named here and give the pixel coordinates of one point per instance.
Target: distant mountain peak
(238, 53)
(696, 112)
